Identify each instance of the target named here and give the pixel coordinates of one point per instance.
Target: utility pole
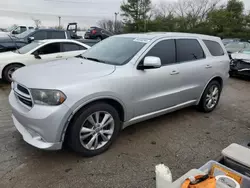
(116, 13)
(59, 17)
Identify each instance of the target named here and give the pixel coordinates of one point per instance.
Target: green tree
(135, 13)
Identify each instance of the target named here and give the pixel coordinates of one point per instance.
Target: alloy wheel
(212, 97)
(97, 130)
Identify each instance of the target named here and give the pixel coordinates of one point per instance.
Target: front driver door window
(49, 52)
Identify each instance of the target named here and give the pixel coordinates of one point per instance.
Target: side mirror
(30, 39)
(15, 32)
(150, 62)
(36, 55)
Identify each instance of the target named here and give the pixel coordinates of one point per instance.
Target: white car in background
(14, 30)
(38, 52)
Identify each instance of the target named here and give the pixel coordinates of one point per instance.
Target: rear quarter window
(188, 50)
(214, 48)
(56, 35)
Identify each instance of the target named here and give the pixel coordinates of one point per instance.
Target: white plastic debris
(163, 176)
(226, 182)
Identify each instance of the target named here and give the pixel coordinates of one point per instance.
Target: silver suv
(125, 79)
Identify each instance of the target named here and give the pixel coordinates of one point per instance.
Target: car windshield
(115, 50)
(245, 51)
(236, 45)
(11, 28)
(28, 47)
(24, 34)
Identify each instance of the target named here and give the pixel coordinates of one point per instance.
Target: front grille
(23, 95)
(25, 101)
(22, 89)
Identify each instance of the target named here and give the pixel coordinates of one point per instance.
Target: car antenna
(14, 42)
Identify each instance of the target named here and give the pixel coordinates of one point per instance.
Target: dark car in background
(15, 42)
(97, 33)
(11, 42)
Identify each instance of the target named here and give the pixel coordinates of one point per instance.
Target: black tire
(72, 135)
(8, 69)
(231, 74)
(202, 106)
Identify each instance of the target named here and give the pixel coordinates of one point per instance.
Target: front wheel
(9, 70)
(94, 129)
(210, 97)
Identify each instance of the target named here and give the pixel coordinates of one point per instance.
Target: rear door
(39, 35)
(71, 49)
(157, 89)
(194, 67)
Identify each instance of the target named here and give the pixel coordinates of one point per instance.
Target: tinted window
(214, 48)
(188, 50)
(56, 35)
(165, 50)
(49, 49)
(67, 47)
(39, 35)
(31, 27)
(22, 28)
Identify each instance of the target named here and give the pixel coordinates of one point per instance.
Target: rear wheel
(210, 97)
(94, 129)
(9, 70)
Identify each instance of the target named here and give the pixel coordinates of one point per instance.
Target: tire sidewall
(203, 100)
(74, 141)
(6, 70)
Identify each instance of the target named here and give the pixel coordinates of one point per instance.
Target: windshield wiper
(93, 59)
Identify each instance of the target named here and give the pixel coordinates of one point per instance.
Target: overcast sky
(85, 12)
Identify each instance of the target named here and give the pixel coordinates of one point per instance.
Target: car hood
(8, 55)
(245, 57)
(11, 39)
(62, 73)
(4, 34)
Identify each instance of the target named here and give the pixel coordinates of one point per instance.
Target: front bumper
(1, 71)
(239, 67)
(35, 140)
(41, 126)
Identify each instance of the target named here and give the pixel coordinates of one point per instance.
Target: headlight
(47, 97)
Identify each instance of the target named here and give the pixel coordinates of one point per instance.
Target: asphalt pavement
(181, 140)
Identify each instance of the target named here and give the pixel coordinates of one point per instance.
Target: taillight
(93, 31)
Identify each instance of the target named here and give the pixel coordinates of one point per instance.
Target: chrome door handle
(208, 66)
(174, 72)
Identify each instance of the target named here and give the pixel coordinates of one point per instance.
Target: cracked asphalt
(181, 140)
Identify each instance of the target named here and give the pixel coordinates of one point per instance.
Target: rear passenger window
(188, 50)
(165, 50)
(214, 48)
(67, 47)
(56, 35)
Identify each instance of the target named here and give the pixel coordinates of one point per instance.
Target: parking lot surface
(181, 140)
